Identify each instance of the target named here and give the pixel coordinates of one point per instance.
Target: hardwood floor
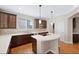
(69, 48)
(64, 49)
(24, 49)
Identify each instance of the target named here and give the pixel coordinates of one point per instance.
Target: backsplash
(12, 31)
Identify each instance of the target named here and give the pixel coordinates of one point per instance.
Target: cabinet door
(44, 23)
(12, 21)
(3, 20)
(75, 38)
(36, 23)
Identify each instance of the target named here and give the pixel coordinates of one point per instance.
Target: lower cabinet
(75, 38)
(20, 40)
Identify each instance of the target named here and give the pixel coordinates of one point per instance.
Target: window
(29, 23)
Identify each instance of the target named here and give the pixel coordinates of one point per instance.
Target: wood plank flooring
(64, 49)
(24, 49)
(69, 48)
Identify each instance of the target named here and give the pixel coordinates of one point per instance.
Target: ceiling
(33, 10)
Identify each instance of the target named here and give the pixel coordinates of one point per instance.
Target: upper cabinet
(12, 21)
(42, 24)
(3, 20)
(7, 20)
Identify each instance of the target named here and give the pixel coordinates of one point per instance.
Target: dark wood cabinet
(3, 20)
(7, 20)
(36, 22)
(12, 21)
(20, 40)
(75, 38)
(23, 39)
(42, 25)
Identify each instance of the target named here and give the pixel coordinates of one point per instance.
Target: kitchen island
(46, 43)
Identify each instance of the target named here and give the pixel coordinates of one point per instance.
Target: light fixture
(52, 23)
(39, 21)
(51, 17)
(51, 14)
(40, 14)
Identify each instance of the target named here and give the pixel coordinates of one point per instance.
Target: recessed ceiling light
(19, 8)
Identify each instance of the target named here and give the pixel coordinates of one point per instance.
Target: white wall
(64, 28)
(69, 31)
(59, 26)
(63, 25)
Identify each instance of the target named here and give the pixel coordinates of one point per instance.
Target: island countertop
(50, 36)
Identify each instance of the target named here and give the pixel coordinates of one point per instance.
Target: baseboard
(68, 42)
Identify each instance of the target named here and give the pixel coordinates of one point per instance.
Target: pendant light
(51, 14)
(52, 24)
(40, 14)
(51, 17)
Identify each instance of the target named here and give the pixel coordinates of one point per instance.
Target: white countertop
(47, 37)
(6, 38)
(4, 43)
